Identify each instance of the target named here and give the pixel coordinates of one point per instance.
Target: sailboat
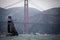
(11, 28)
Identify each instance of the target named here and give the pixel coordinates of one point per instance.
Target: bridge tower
(26, 16)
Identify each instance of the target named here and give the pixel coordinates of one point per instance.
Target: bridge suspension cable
(13, 4)
(35, 4)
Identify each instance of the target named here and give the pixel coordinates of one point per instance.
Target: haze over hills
(43, 22)
(2, 11)
(50, 22)
(18, 15)
(2, 17)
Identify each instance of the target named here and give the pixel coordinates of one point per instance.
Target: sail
(11, 27)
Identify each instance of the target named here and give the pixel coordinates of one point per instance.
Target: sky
(37, 4)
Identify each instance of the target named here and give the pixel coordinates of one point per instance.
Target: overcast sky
(38, 4)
